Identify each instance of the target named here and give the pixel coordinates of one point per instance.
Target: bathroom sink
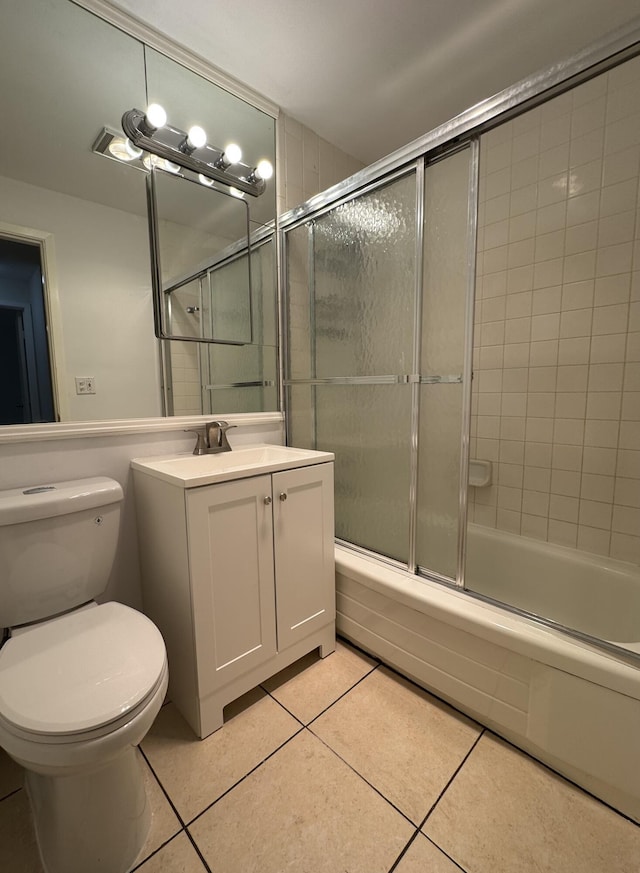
(191, 471)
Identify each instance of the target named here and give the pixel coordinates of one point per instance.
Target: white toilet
(80, 683)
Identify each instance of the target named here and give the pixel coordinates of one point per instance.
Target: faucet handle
(200, 446)
(221, 441)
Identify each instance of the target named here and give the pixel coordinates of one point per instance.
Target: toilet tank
(57, 546)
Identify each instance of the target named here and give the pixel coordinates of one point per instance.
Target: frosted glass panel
(364, 283)
(298, 316)
(439, 478)
(443, 336)
(367, 426)
(446, 271)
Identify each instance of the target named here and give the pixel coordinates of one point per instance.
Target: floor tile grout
(366, 781)
(246, 776)
(452, 777)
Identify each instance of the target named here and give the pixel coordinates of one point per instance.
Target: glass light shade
(232, 153)
(155, 115)
(264, 169)
(196, 137)
(123, 149)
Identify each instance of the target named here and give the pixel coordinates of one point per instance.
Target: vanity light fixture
(191, 151)
(232, 154)
(195, 139)
(154, 118)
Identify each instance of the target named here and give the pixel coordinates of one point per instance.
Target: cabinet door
(304, 551)
(230, 530)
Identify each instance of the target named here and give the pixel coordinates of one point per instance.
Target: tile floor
(342, 766)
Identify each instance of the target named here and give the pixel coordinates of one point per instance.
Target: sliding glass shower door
(352, 282)
(375, 369)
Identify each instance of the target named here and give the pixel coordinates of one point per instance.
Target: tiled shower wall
(311, 164)
(556, 394)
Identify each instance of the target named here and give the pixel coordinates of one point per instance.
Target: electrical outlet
(85, 385)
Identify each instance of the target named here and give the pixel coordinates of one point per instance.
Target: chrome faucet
(212, 438)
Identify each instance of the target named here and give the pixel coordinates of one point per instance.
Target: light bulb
(264, 170)
(232, 153)
(156, 116)
(123, 149)
(236, 193)
(169, 166)
(196, 137)
(204, 181)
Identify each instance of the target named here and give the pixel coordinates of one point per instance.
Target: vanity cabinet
(239, 577)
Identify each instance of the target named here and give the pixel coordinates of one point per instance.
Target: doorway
(26, 394)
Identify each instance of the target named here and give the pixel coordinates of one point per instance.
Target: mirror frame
(161, 307)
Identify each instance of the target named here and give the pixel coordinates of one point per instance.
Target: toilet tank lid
(33, 502)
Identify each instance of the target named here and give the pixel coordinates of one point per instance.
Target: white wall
(104, 288)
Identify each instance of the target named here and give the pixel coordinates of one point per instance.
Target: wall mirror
(196, 228)
(72, 75)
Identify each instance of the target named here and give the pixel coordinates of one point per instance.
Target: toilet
(80, 683)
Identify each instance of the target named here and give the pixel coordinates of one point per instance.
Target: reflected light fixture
(154, 162)
(123, 149)
(150, 132)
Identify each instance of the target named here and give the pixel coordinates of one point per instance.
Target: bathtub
(594, 595)
(567, 702)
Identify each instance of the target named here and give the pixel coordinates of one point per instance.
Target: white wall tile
(578, 295)
(564, 257)
(563, 508)
(608, 348)
(599, 460)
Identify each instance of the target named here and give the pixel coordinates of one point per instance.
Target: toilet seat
(80, 676)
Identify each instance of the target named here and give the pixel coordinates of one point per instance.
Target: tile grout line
(322, 712)
(246, 776)
(451, 778)
(12, 793)
(197, 849)
(360, 776)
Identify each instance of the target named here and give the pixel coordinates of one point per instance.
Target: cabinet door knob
(283, 496)
(267, 501)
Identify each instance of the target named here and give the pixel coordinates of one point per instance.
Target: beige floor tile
(504, 811)
(18, 847)
(178, 856)
(196, 772)
(11, 775)
(405, 742)
(423, 857)
(303, 810)
(164, 822)
(309, 686)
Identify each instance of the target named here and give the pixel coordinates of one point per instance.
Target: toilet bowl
(79, 690)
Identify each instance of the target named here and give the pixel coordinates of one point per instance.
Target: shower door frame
(462, 131)
(417, 168)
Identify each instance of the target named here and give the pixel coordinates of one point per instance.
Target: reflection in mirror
(195, 227)
(203, 378)
(72, 74)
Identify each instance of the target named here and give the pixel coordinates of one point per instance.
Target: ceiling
(372, 75)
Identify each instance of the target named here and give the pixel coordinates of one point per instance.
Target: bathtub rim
(471, 613)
